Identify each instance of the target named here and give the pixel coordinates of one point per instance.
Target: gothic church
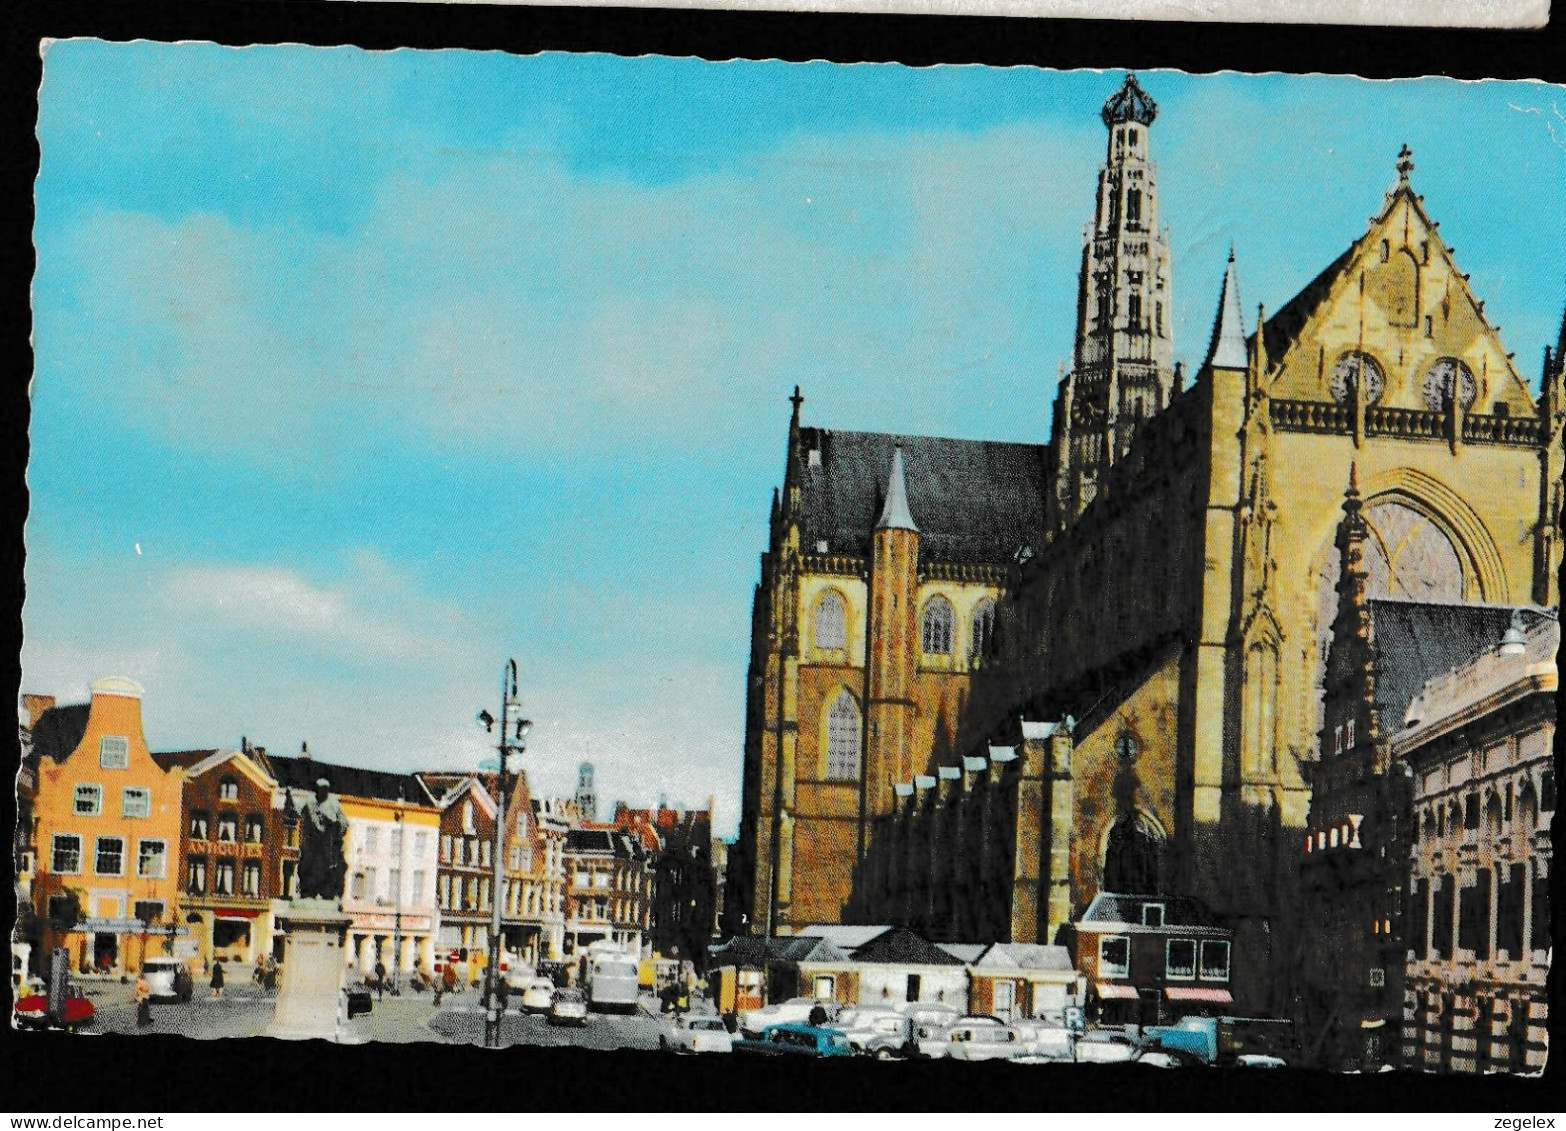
(1160, 576)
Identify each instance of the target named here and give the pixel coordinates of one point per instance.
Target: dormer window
(1152, 914)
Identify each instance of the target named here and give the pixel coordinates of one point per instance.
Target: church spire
(894, 514)
(1228, 350)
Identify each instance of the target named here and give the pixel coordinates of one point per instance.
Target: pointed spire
(1405, 165)
(1179, 377)
(894, 514)
(1228, 350)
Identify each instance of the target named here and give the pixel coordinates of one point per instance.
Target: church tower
(1122, 367)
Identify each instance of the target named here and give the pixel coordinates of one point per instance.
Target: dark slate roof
(1130, 104)
(59, 731)
(1179, 910)
(751, 950)
(973, 500)
(168, 759)
(1284, 326)
(903, 947)
(353, 781)
(1417, 640)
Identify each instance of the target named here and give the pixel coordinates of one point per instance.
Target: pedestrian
(217, 978)
(449, 977)
(143, 1000)
(380, 980)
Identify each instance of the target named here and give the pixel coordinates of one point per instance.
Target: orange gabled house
(108, 833)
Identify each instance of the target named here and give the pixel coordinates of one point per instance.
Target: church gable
(1395, 310)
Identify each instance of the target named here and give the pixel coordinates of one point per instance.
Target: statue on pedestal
(322, 827)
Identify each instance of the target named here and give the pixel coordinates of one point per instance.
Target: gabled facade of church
(1163, 572)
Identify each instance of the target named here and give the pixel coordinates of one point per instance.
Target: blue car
(794, 1039)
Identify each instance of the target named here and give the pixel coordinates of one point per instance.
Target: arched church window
(1352, 369)
(843, 738)
(1134, 311)
(831, 628)
(1133, 857)
(936, 636)
(983, 627)
(1446, 377)
(1134, 206)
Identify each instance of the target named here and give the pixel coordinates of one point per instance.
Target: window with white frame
(65, 856)
(89, 800)
(467, 817)
(831, 627)
(936, 637)
(420, 884)
(1180, 958)
(136, 802)
(1152, 914)
(200, 825)
(152, 858)
(196, 876)
(113, 752)
(109, 860)
(445, 848)
(250, 878)
(421, 844)
(842, 762)
(1215, 960)
(228, 789)
(358, 886)
(227, 828)
(223, 877)
(372, 839)
(255, 829)
(393, 883)
(1114, 956)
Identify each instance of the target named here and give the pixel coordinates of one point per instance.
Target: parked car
(695, 1032)
(983, 1041)
(568, 1007)
(1106, 1046)
(537, 996)
(882, 1033)
(793, 1039)
(1168, 1058)
(1260, 1060)
(1042, 1039)
(519, 978)
(1222, 1040)
(32, 1012)
(805, 1010)
(168, 979)
(929, 1013)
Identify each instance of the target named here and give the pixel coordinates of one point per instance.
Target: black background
(54, 1073)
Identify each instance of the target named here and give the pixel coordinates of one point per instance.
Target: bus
(612, 980)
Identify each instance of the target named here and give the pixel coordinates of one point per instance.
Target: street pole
(513, 738)
(402, 856)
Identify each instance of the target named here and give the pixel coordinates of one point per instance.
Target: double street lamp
(512, 744)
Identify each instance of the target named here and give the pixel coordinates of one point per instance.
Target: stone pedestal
(311, 1003)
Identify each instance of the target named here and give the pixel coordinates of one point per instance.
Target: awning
(236, 913)
(1110, 991)
(1199, 993)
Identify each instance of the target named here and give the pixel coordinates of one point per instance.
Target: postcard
(792, 560)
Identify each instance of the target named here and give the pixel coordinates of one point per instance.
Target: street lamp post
(396, 986)
(512, 740)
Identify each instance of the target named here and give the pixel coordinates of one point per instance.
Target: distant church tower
(1122, 368)
(586, 795)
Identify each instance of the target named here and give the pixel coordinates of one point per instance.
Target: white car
(981, 1041)
(882, 1033)
(519, 978)
(696, 1033)
(1260, 1060)
(537, 996)
(1105, 1046)
(799, 1009)
(569, 1007)
(167, 979)
(1043, 1039)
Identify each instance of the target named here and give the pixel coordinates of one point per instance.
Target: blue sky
(358, 373)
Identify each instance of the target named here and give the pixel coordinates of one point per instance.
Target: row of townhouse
(124, 853)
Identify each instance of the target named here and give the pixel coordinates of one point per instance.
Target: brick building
(609, 875)
(239, 857)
